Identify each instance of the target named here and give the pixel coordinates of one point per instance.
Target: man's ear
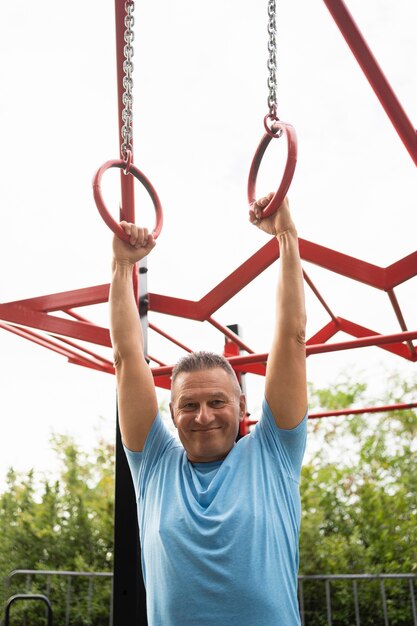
(242, 406)
(171, 410)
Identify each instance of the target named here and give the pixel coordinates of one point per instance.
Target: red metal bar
(361, 332)
(127, 207)
(363, 342)
(67, 299)
(230, 335)
(38, 339)
(373, 340)
(90, 365)
(164, 382)
(318, 295)
(327, 258)
(75, 315)
(400, 271)
(380, 278)
(239, 279)
(164, 334)
(373, 409)
(343, 264)
(400, 317)
(45, 342)
(95, 356)
(155, 360)
(326, 333)
(374, 74)
(34, 319)
(254, 368)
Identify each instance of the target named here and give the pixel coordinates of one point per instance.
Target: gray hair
(199, 361)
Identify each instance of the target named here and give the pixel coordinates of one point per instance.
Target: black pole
(129, 596)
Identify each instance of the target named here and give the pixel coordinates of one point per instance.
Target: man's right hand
(140, 244)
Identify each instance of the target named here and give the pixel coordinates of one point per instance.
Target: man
(219, 521)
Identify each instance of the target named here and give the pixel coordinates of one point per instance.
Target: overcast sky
(200, 97)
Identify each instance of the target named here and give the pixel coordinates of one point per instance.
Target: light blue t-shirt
(220, 540)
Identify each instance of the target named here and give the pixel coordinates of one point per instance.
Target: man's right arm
(137, 401)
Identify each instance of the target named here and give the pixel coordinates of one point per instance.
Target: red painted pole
(127, 207)
(373, 340)
(374, 74)
(372, 409)
(341, 412)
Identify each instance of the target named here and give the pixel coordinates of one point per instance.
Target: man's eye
(217, 403)
(190, 406)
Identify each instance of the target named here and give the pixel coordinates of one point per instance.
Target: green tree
(66, 524)
(359, 499)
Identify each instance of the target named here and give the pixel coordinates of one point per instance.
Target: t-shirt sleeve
(142, 464)
(286, 445)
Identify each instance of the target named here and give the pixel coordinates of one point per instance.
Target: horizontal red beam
(167, 336)
(373, 340)
(341, 412)
(364, 334)
(83, 331)
(92, 360)
(373, 409)
(67, 299)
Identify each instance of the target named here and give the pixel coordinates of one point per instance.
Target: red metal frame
(345, 412)
(374, 74)
(19, 317)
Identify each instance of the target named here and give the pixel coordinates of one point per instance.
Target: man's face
(206, 410)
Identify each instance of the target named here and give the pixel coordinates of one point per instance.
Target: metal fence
(348, 584)
(31, 579)
(326, 591)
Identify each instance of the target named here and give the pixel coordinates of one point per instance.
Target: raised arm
(285, 381)
(137, 400)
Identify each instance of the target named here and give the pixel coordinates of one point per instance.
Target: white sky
(200, 97)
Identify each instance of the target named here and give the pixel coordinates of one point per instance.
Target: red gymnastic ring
(274, 132)
(132, 169)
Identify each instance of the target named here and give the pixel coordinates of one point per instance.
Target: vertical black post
(232, 349)
(129, 596)
(129, 599)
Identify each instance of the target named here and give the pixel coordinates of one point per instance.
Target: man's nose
(204, 415)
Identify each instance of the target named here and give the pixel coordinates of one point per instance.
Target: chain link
(272, 60)
(127, 99)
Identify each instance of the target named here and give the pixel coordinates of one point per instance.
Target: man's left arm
(285, 381)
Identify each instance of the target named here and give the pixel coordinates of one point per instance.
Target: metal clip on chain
(274, 127)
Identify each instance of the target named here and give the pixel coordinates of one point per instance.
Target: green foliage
(66, 524)
(359, 502)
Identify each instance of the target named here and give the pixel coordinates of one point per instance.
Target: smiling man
(219, 521)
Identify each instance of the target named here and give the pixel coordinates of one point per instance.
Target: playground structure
(33, 319)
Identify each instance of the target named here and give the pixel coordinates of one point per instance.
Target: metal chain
(272, 60)
(127, 99)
